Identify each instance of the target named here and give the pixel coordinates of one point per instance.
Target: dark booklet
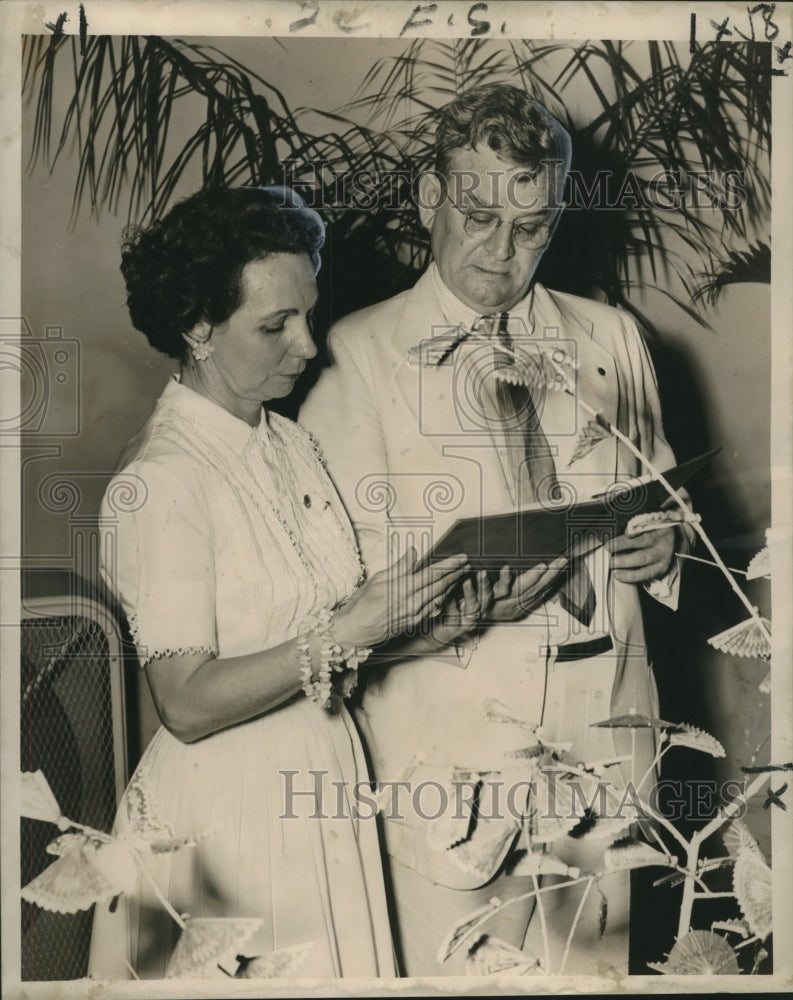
(538, 533)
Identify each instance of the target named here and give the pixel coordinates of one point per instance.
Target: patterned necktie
(531, 462)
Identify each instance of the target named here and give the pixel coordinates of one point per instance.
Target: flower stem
(711, 864)
(546, 888)
(748, 941)
(693, 846)
(675, 495)
(109, 839)
(97, 834)
(576, 918)
(132, 971)
(729, 812)
(709, 562)
(658, 839)
(543, 925)
(158, 892)
(686, 873)
(733, 808)
(611, 792)
(664, 746)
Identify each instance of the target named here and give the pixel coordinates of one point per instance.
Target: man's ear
(430, 196)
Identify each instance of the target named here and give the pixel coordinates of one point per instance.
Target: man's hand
(462, 610)
(643, 557)
(514, 598)
(399, 599)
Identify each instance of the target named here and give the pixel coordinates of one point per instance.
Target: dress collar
(205, 414)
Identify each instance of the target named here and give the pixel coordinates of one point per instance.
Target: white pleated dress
(226, 538)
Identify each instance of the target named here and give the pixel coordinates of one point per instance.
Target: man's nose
(500, 243)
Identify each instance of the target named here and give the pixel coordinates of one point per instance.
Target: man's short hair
(507, 120)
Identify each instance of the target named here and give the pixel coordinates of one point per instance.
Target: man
(419, 428)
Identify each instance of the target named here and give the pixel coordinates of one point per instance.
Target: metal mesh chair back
(72, 729)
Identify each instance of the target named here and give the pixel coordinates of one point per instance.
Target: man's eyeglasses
(480, 225)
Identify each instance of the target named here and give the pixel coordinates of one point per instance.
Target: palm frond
(659, 110)
(127, 92)
(751, 265)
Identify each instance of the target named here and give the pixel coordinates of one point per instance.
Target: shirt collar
(458, 314)
(209, 416)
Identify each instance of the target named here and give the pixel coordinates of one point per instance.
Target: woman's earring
(202, 350)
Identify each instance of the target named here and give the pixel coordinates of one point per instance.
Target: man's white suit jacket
(407, 451)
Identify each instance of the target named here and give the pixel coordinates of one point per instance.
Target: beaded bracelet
(333, 658)
(318, 689)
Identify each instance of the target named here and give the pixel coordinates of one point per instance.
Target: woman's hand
(463, 609)
(397, 599)
(515, 597)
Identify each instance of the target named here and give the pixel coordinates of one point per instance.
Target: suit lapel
(596, 383)
(450, 435)
(437, 400)
(420, 335)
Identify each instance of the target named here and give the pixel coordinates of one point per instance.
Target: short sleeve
(162, 564)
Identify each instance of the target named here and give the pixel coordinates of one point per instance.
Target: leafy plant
(696, 951)
(739, 266)
(551, 814)
(695, 120)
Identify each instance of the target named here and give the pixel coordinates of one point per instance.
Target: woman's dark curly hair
(187, 267)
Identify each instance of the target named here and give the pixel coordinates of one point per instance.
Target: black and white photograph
(397, 498)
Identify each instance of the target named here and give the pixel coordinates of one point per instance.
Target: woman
(227, 569)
